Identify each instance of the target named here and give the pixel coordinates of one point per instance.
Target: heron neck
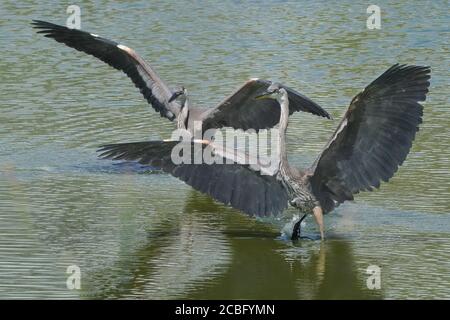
(182, 117)
(284, 116)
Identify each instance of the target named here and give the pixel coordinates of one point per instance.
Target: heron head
(274, 91)
(179, 94)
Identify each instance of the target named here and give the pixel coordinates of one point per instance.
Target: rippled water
(135, 234)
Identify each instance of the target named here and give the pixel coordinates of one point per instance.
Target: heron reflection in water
(370, 143)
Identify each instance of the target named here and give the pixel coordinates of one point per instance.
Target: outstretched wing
(244, 187)
(120, 57)
(241, 111)
(374, 137)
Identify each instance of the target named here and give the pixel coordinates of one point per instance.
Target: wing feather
(120, 57)
(242, 186)
(240, 110)
(374, 136)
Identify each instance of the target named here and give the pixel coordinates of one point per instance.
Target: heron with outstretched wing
(370, 143)
(240, 110)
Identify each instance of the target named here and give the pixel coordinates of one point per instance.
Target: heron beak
(174, 96)
(318, 215)
(264, 95)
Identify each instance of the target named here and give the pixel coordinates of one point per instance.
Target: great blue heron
(370, 143)
(239, 110)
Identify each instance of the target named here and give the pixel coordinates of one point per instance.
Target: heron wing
(374, 136)
(241, 111)
(121, 58)
(244, 187)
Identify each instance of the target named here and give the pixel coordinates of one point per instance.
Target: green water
(141, 235)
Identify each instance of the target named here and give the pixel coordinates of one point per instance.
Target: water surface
(135, 234)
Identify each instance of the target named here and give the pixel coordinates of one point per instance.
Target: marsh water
(136, 233)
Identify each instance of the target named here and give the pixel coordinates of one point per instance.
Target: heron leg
(296, 230)
(318, 215)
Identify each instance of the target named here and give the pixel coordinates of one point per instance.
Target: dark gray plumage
(119, 57)
(241, 186)
(239, 110)
(370, 143)
(374, 137)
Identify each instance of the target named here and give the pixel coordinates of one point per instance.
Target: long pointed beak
(264, 95)
(318, 215)
(174, 96)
